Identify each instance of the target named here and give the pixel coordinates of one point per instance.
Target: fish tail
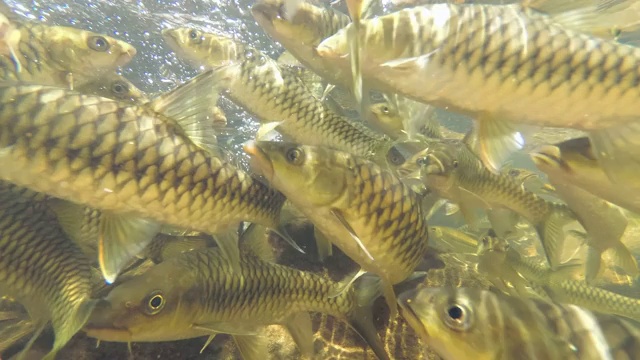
(67, 322)
(368, 289)
(551, 232)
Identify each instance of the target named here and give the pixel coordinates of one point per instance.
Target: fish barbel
(466, 324)
(501, 64)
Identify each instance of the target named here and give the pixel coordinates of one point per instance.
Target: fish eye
(454, 164)
(295, 156)
(262, 60)
(249, 54)
(385, 110)
(458, 317)
(119, 88)
(421, 161)
(194, 36)
(155, 302)
(98, 43)
(514, 172)
(394, 157)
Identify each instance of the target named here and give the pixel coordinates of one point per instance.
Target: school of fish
(366, 224)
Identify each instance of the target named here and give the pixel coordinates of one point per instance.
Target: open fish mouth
(548, 156)
(260, 161)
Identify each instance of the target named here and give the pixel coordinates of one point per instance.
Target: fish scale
(497, 326)
(42, 268)
(125, 158)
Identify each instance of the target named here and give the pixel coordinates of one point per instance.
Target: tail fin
(551, 232)
(67, 323)
(623, 258)
(368, 289)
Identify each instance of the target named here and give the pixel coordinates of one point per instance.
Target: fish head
(203, 49)
(153, 306)
(448, 321)
(113, 86)
(568, 159)
(315, 175)
(386, 118)
(86, 52)
(490, 242)
(307, 26)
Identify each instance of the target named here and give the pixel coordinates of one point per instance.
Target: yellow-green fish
(502, 64)
(399, 117)
(276, 96)
(301, 34)
(574, 161)
(43, 269)
(135, 161)
(59, 55)
(476, 324)
(450, 240)
(605, 223)
(453, 171)
(358, 205)
(559, 285)
(113, 86)
(198, 293)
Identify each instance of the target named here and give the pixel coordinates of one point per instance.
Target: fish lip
(407, 312)
(171, 38)
(546, 155)
(127, 55)
(260, 161)
(108, 333)
(264, 11)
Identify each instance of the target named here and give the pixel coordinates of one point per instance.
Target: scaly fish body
(501, 64)
(126, 159)
(43, 269)
(198, 294)
(574, 161)
(450, 240)
(62, 56)
(256, 82)
(464, 323)
(558, 285)
(301, 34)
(452, 170)
(362, 208)
(253, 80)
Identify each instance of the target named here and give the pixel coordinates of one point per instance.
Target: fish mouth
(433, 165)
(264, 11)
(106, 333)
(260, 161)
(548, 156)
(171, 38)
(127, 55)
(404, 300)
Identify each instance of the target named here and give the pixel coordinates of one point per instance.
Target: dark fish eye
(421, 161)
(294, 156)
(385, 110)
(98, 43)
(458, 317)
(514, 172)
(119, 88)
(155, 303)
(455, 163)
(195, 37)
(394, 157)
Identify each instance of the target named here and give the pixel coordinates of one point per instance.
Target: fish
(137, 162)
(303, 32)
(113, 86)
(199, 295)
(9, 41)
(401, 118)
(453, 171)
(605, 223)
(166, 246)
(59, 55)
(280, 100)
(500, 64)
(361, 207)
(450, 240)
(43, 269)
(574, 161)
(528, 179)
(560, 285)
(467, 323)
